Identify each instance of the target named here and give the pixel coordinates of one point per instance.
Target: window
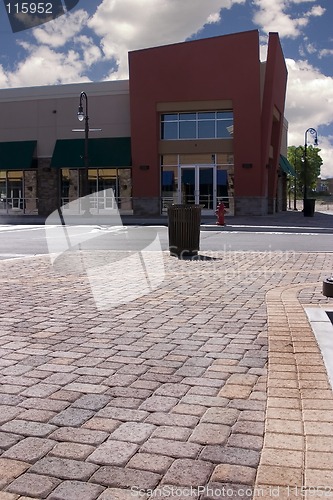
(198, 125)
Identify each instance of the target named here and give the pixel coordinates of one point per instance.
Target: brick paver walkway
(167, 395)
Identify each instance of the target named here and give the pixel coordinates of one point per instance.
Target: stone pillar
(47, 187)
(250, 205)
(147, 206)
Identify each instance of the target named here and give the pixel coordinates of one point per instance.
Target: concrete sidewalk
(211, 386)
(289, 218)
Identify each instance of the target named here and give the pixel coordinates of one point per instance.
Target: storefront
(197, 122)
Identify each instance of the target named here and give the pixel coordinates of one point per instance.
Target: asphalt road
(24, 241)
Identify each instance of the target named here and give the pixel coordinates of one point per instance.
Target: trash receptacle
(184, 230)
(309, 207)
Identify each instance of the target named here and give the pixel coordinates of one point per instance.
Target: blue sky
(91, 43)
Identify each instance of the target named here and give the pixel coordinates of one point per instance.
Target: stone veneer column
(47, 187)
(147, 206)
(252, 205)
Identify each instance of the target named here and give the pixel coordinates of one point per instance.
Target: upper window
(200, 125)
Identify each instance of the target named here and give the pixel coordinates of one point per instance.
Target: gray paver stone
(74, 451)
(36, 429)
(246, 441)
(44, 404)
(226, 416)
(84, 436)
(159, 403)
(230, 455)
(153, 463)
(33, 485)
(125, 414)
(120, 477)
(113, 453)
(74, 490)
(188, 473)
(171, 448)
(64, 468)
(210, 433)
(92, 401)
(8, 412)
(7, 439)
(120, 494)
(135, 432)
(160, 418)
(73, 417)
(234, 473)
(30, 449)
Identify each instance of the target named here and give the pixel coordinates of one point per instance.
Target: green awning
(102, 153)
(17, 155)
(286, 166)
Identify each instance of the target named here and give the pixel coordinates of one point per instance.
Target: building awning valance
(102, 153)
(17, 155)
(286, 166)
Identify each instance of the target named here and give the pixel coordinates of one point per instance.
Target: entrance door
(198, 186)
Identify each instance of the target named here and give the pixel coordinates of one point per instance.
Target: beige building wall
(49, 113)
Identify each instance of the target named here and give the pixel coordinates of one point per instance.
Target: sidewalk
(211, 386)
(288, 219)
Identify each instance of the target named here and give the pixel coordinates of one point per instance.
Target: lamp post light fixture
(313, 132)
(82, 115)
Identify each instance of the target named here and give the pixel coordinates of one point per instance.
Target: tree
(314, 162)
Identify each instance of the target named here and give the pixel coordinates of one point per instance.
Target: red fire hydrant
(220, 211)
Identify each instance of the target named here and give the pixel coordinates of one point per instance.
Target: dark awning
(286, 166)
(17, 155)
(102, 153)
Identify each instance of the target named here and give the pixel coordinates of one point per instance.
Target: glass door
(198, 186)
(206, 187)
(188, 186)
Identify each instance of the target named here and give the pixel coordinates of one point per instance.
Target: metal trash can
(328, 287)
(309, 207)
(184, 230)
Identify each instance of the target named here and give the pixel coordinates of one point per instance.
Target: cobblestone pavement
(211, 386)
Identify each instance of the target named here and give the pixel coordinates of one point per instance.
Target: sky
(92, 40)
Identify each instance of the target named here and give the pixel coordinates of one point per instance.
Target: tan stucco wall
(49, 113)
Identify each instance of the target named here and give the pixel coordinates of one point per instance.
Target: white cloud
(58, 32)
(316, 11)
(272, 15)
(45, 67)
(325, 53)
(125, 25)
(309, 104)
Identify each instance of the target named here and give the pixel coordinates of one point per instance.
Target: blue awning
(167, 178)
(222, 176)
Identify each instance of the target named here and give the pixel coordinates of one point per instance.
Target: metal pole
(305, 196)
(305, 186)
(295, 182)
(84, 184)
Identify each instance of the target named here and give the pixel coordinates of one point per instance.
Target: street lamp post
(83, 174)
(295, 182)
(313, 132)
(82, 115)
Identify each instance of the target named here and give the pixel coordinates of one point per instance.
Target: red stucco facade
(207, 74)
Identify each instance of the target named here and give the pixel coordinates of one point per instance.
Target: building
(197, 122)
